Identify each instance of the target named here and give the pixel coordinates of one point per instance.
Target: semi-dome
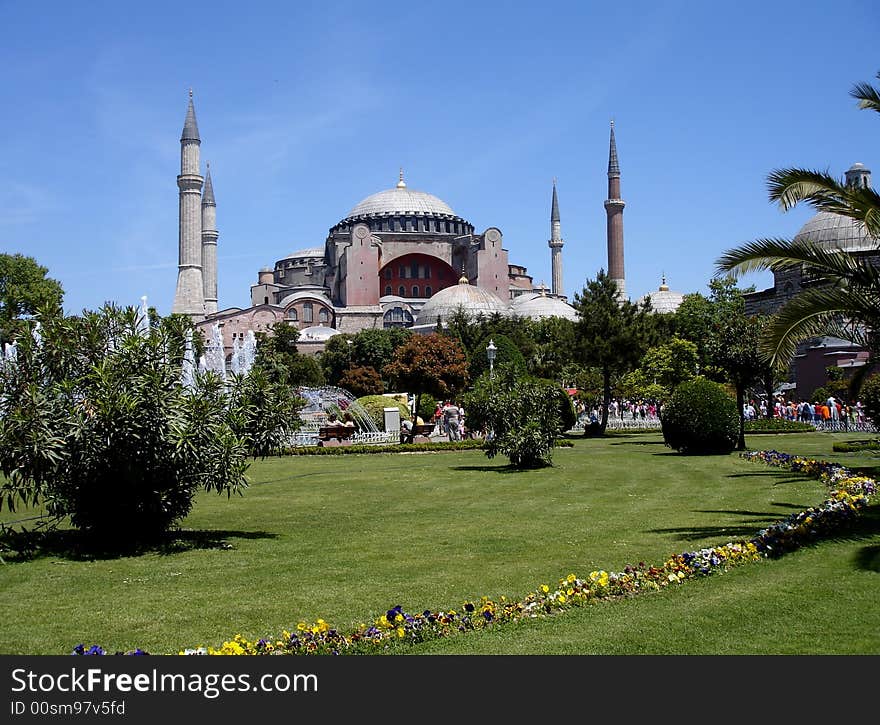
(664, 299)
(834, 231)
(473, 300)
(537, 306)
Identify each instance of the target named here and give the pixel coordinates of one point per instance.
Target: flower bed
(849, 493)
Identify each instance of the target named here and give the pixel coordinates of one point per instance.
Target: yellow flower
(571, 578)
(401, 632)
(545, 588)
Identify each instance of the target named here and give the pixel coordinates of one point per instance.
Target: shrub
(700, 417)
(375, 406)
(96, 425)
(777, 425)
(520, 416)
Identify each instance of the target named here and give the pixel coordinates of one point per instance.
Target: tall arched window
(291, 314)
(388, 289)
(415, 290)
(323, 316)
(401, 291)
(428, 291)
(307, 312)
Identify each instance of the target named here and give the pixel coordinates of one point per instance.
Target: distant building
(833, 232)
(398, 258)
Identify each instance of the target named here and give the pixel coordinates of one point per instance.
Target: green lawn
(346, 537)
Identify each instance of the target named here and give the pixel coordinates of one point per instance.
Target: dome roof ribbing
(833, 231)
(473, 300)
(538, 306)
(401, 201)
(664, 300)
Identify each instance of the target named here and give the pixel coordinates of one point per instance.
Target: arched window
(401, 291)
(415, 290)
(388, 289)
(323, 316)
(291, 314)
(307, 312)
(428, 291)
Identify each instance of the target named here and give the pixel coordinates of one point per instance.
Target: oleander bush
(700, 417)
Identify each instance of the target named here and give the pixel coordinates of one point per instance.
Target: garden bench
(335, 435)
(419, 434)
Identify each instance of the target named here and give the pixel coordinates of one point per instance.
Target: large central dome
(401, 201)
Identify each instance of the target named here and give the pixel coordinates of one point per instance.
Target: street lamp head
(490, 351)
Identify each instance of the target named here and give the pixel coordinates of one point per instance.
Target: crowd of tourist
(830, 412)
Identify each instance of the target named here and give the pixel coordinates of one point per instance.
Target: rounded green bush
(700, 417)
(375, 406)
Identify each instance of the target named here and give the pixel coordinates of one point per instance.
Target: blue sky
(306, 108)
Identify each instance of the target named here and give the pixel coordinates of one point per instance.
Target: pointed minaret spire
(555, 244)
(189, 298)
(613, 165)
(190, 127)
(614, 210)
(401, 184)
(209, 244)
(208, 193)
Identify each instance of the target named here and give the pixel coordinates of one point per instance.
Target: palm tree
(847, 304)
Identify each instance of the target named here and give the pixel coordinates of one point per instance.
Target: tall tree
(24, 290)
(278, 357)
(433, 364)
(612, 334)
(845, 304)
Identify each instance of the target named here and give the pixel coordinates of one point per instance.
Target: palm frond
(867, 96)
(789, 187)
(776, 254)
(819, 311)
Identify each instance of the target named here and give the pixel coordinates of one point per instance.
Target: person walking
(452, 422)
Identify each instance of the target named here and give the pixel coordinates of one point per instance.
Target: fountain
(320, 402)
(143, 318)
(188, 371)
(243, 354)
(214, 358)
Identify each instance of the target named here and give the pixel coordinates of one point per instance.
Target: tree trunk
(606, 399)
(740, 402)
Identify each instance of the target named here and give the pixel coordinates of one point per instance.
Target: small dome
(401, 201)
(317, 333)
(539, 306)
(471, 299)
(664, 300)
(834, 231)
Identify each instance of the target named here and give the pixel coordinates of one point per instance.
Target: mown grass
(344, 538)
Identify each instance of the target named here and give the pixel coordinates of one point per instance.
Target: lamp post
(490, 353)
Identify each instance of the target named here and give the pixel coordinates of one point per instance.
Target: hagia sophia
(404, 258)
(399, 258)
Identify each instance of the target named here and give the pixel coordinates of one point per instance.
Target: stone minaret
(614, 209)
(209, 244)
(555, 247)
(190, 296)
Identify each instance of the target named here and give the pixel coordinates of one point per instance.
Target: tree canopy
(24, 289)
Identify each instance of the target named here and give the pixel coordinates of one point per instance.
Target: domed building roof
(537, 306)
(471, 299)
(304, 253)
(401, 201)
(317, 333)
(664, 300)
(834, 231)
